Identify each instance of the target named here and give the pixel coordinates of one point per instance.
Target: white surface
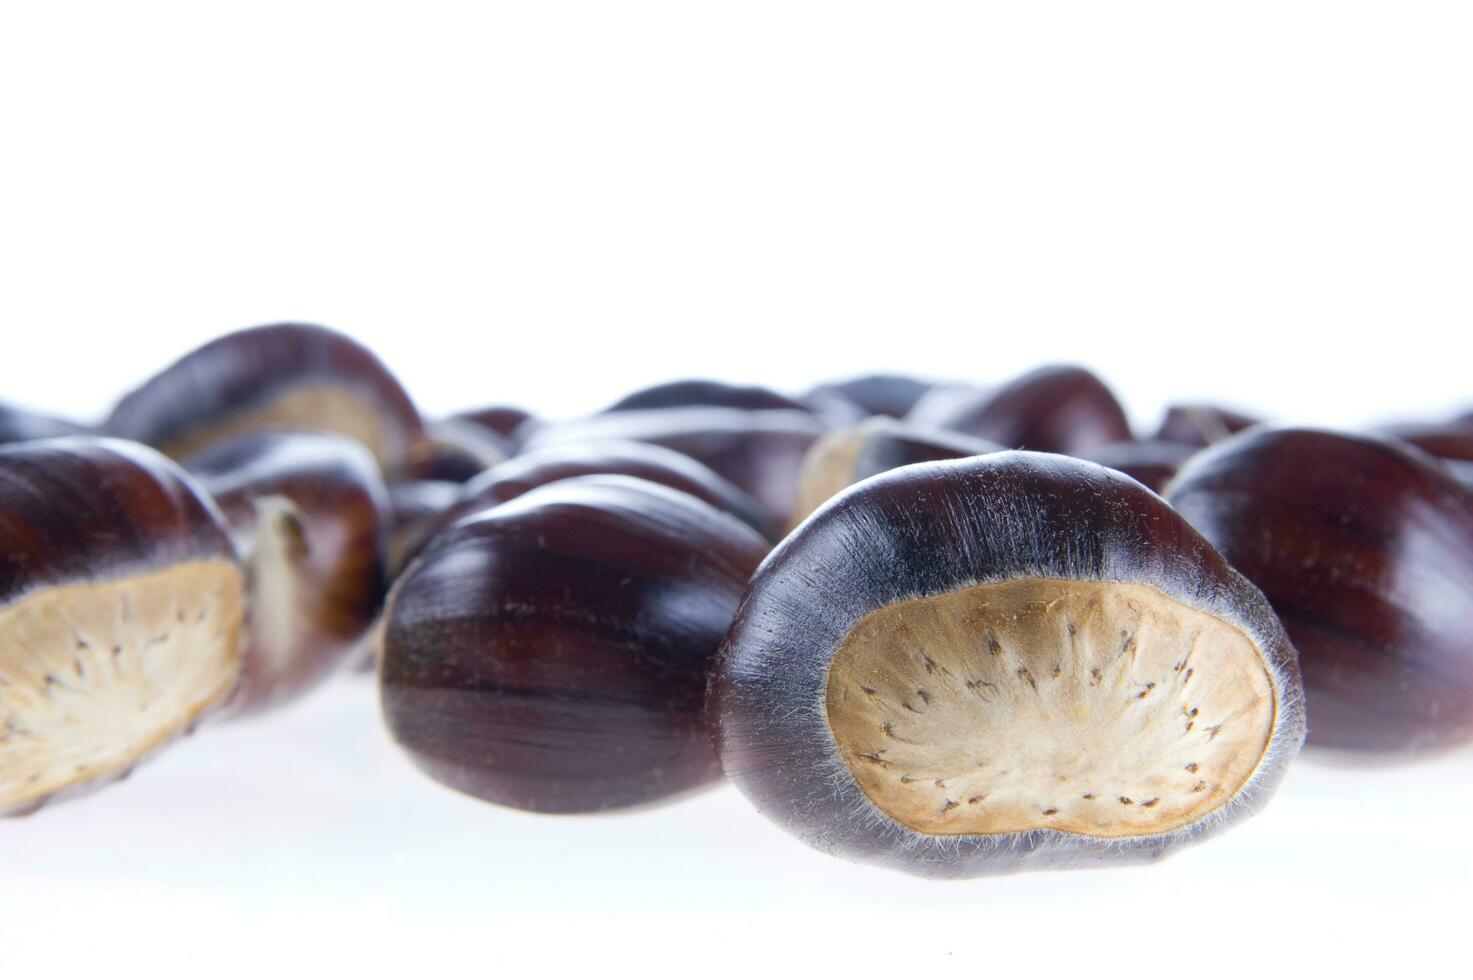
(551, 203)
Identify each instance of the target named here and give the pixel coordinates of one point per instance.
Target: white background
(550, 203)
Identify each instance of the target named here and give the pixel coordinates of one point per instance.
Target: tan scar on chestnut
(1098, 708)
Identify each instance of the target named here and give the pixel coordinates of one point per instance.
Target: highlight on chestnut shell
(1365, 548)
(846, 456)
(120, 613)
(283, 376)
(552, 653)
(309, 515)
(23, 425)
(760, 451)
(1013, 661)
(1059, 408)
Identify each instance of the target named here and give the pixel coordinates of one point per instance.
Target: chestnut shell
(1151, 461)
(878, 394)
(20, 425)
(323, 496)
(201, 398)
(1054, 409)
(1200, 425)
(552, 653)
(930, 529)
(1365, 548)
(710, 394)
(760, 452)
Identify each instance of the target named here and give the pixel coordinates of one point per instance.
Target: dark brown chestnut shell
(877, 445)
(1151, 461)
(283, 376)
(642, 460)
(930, 530)
(1054, 409)
(506, 422)
(701, 392)
(1200, 425)
(552, 653)
(309, 514)
(1365, 548)
(893, 395)
(454, 450)
(20, 425)
(120, 611)
(761, 452)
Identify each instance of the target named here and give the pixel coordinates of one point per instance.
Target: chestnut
(710, 394)
(759, 451)
(308, 512)
(846, 456)
(1194, 424)
(1012, 661)
(1449, 440)
(120, 613)
(284, 376)
(416, 509)
(20, 425)
(878, 394)
(1055, 409)
(1151, 461)
(552, 653)
(506, 422)
(645, 461)
(455, 450)
(1365, 548)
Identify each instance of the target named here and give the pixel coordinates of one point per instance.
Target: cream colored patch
(94, 676)
(827, 468)
(321, 408)
(1099, 708)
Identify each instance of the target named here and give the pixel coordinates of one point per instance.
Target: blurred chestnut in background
(700, 392)
(643, 460)
(1448, 440)
(1201, 425)
(1365, 548)
(454, 450)
(416, 509)
(552, 653)
(1055, 409)
(1151, 461)
(120, 613)
(308, 515)
(506, 422)
(1017, 660)
(846, 456)
(285, 376)
(760, 452)
(20, 425)
(877, 394)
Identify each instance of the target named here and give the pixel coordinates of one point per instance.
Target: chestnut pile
(957, 630)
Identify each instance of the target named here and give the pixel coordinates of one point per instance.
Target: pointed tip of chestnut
(1058, 408)
(278, 377)
(893, 395)
(1013, 661)
(1365, 548)
(552, 653)
(309, 515)
(121, 601)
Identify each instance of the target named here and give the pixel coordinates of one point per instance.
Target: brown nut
(285, 376)
(120, 613)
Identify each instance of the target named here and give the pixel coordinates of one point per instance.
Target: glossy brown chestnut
(1365, 548)
(761, 452)
(1193, 424)
(120, 613)
(1055, 409)
(1151, 461)
(454, 450)
(704, 393)
(308, 513)
(552, 653)
(1012, 661)
(878, 394)
(285, 376)
(20, 425)
(879, 444)
(643, 460)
